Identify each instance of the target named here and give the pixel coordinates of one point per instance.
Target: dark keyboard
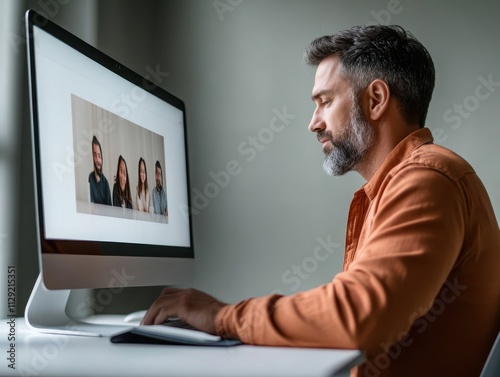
(176, 322)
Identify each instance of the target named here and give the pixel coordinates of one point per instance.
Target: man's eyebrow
(320, 93)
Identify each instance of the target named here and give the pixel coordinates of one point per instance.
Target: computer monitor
(100, 132)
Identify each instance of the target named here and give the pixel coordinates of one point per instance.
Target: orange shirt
(420, 288)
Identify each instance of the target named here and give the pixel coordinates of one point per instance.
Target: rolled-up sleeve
(413, 234)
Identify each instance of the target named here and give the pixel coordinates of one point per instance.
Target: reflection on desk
(36, 354)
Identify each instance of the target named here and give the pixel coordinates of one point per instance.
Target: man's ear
(377, 96)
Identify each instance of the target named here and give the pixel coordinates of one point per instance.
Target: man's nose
(316, 124)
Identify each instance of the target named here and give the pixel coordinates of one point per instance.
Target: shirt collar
(395, 157)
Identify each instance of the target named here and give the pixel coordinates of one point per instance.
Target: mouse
(135, 316)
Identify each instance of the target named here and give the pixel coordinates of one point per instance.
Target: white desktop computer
(111, 175)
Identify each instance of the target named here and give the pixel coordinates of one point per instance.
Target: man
(98, 184)
(419, 292)
(159, 195)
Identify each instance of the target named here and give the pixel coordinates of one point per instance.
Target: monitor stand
(46, 312)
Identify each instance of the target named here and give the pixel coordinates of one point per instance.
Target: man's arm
(415, 239)
(153, 200)
(108, 194)
(163, 201)
(91, 191)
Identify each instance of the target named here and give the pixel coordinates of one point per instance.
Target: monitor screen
(111, 167)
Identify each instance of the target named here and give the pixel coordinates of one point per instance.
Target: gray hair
(388, 53)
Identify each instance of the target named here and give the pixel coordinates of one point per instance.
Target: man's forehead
(328, 67)
(328, 75)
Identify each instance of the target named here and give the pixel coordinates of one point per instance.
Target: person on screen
(419, 293)
(159, 193)
(98, 184)
(121, 188)
(142, 196)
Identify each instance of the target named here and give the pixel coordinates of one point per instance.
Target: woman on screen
(121, 188)
(142, 195)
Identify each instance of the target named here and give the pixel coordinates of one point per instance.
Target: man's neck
(383, 145)
(97, 176)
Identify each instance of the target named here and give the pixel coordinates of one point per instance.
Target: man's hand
(190, 305)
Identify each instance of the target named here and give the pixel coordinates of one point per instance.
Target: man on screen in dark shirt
(159, 194)
(98, 184)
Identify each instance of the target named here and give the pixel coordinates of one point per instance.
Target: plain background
(279, 224)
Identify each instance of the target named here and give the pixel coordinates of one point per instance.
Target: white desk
(39, 354)
(123, 213)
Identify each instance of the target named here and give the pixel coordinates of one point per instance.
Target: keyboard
(174, 331)
(177, 331)
(178, 323)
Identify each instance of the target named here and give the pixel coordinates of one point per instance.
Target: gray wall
(279, 223)
(236, 69)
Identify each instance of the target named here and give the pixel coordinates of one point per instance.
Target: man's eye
(326, 102)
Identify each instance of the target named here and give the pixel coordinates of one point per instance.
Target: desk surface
(39, 354)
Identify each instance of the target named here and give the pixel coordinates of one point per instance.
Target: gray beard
(351, 147)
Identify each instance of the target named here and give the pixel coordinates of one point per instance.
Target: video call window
(119, 165)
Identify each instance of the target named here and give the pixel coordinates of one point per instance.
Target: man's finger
(148, 319)
(162, 308)
(170, 290)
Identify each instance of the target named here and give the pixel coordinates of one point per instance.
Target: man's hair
(139, 185)
(157, 165)
(123, 194)
(388, 53)
(96, 142)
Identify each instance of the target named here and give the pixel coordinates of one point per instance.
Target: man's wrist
(220, 322)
